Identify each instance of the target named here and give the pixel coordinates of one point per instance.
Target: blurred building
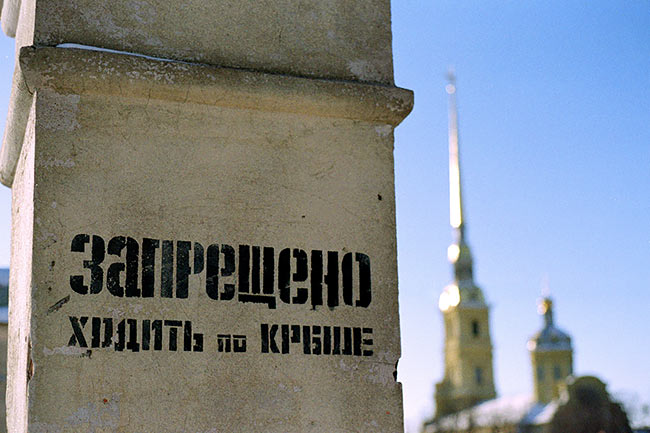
(466, 398)
(560, 403)
(551, 354)
(468, 377)
(584, 406)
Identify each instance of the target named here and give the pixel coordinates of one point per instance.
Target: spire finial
(546, 303)
(545, 308)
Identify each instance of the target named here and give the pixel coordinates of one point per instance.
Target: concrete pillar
(3, 366)
(203, 232)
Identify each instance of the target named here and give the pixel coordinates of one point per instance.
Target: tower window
(475, 328)
(557, 372)
(478, 372)
(540, 374)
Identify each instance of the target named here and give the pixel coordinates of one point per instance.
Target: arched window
(478, 373)
(476, 330)
(540, 373)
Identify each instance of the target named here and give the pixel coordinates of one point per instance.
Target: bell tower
(468, 377)
(551, 353)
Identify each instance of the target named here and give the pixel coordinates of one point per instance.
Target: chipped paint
(383, 130)
(362, 69)
(100, 415)
(294, 388)
(44, 236)
(65, 350)
(381, 373)
(66, 108)
(55, 162)
(135, 309)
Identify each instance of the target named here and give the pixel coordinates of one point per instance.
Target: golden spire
(458, 252)
(455, 194)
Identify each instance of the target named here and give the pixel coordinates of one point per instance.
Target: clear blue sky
(554, 102)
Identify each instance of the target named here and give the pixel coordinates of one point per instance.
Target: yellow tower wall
(550, 370)
(469, 376)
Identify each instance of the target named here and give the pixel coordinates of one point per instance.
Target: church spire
(545, 308)
(455, 193)
(458, 253)
(469, 377)
(551, 354)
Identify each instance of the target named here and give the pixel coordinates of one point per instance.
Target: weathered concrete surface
(110, 73)
(3, 374)
(340, 39)
(20, 283)
(14, 133)
(204, 243)
(222, 157)
(9, 11)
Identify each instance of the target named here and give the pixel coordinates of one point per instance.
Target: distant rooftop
(517, 410)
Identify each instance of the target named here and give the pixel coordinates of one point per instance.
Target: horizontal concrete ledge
(85, 71)
(17, 116)
(9, 11)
